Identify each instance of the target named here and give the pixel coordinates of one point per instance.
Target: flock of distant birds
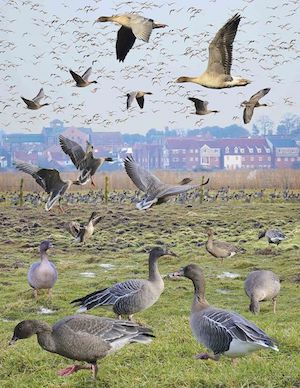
(90, 338)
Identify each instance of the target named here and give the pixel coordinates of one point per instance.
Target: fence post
(106, 188)
(201, 190)
(21, 199)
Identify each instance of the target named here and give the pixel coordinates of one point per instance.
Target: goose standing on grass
(274, 236)
(131, 296)
(83, 232)
(253, 103)
(83, 338)
(85, 162)
(222, 331)
(82, 81)
(156, 191)
(220, 249)
(49, 180)
(201, 106)
(261, 285)
(35, 103)
(139, 96)
(133, 26)
(217, 74)
(42, 274)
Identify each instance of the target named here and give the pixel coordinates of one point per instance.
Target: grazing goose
(220, 249)
(35, 104)
(83, 338)
(217, 74)
(222, 331)
(201, 106)
(42, 274)
(131, 296)
(274, 236)
(139, 96)
(82, 81)
(133, 26)
(83, 232)
(49, 180)
(253, 103)
(261, 285)
(85, 162)
(156, 191)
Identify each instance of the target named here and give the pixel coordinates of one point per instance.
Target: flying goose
(35, 103)
(253, 103)
(42, 274)
(49, 180)
(139, 96)
(82, 81)
(274, 236)
(156, 191)
(84, 232)
(261, 285)
(217, 75)
(83, 338)
(85, 162)
(223, 332)
(220, 249)
(133, 26)
(201, 106)
(131, 296)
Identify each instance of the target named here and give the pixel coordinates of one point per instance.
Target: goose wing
(29, 103)
(170, 190)
(86, 74)
(140, 101)
(248, 113)
(130, 98)
(125, 41)
(72, 149)
(141, 27)
(257, 96)
(220, 48)
(77, 78)
(74, 228)
(200, 105)
(39, 96)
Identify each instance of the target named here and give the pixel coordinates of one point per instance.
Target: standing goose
(156, 191)
(222, 331)
(133, 26)
(131, 296)
(139, 96)
(35, 103)
(83, 232)
(85, 162)
(253, 103)
(261, 285)
(274, 236)
(83, 338)
(220, 249)
(201, 106)
(82, 81)
(217, 74)
(42, 274)
(49, 180)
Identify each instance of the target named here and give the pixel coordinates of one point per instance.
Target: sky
(40, 42)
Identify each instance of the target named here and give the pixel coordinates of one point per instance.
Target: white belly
(240, 348)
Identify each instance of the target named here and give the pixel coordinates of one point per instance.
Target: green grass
(123, 239)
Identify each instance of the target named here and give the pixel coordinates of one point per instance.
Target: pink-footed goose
(253, 103)
(35, 103)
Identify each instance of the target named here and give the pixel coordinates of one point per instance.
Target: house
(149, 156)
(285, 152)
(75, 134)
(110, 141)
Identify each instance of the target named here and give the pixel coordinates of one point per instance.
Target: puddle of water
(88, 274)
(107, 266)
(45, 310)
(229, 275)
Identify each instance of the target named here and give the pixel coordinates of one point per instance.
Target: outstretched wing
(141, 27)
(199, 104)
(257, 96)
(130, 98)
(29, 103)
(125, 41)
(39, 96)
(86, 74)
(76, 77)
(248, 113)
(140, 101)
(72, 149)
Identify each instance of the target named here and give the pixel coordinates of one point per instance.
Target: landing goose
(85, 162)
(83, 338)
(35, 103)
(261, 285)
(274, 236)
(133, 26)
(82, 81)
(220, 249)
(42, 274)
(201, 106)
(217, 74)
(131, 296)
(156, 191)
(223, 332)
(139, 96)
(49, 180)
(253, 103)
(83, 232)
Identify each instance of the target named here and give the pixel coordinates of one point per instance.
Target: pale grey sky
(40, 41)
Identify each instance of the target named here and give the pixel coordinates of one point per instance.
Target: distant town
(192, 150)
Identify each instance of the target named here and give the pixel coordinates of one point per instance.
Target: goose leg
(94, 370)
(72, 369)
(130, 317)
(60, 208)
(35, 293)
(119, 317)
(93, 183)
(274, 305)
(49, 293)
(206, 356)
(235, 362)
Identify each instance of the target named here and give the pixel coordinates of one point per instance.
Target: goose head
(191, 271)
(261, 234)
(45, 245)
(157, 252)
(182, 79)
(24, 329)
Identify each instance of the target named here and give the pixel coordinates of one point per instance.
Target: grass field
(123, 239)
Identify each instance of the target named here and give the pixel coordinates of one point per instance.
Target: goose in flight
(133, 26)
(35, 103)
(201, 107)
(253, 103)
(85, 162)
(156, 191)
(139, 96)
(82, 81)
(217, 75)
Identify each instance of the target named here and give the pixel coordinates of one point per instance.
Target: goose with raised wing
(83, 232)
(253, 103)
(35, 103)
(201, 106)
(133, 26)
(139, 96)
(274, 236)
(82, 81)
(217, 75)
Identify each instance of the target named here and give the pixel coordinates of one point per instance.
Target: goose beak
(12, 341)
(51, 245)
